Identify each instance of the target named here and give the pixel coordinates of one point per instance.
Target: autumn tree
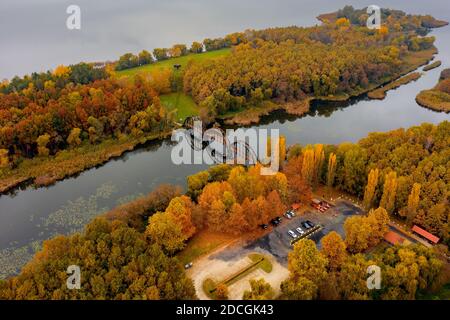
(180, 209)
(196, 183)
(196, 47)
(161, 54)
(178, 50)
(144, 57)
(259, 290)
(389, 192)
(371, 186)
(4, 160)
(42, 142)
(300, 289)
(413, 202)
(407, 270)
(305, 261)
(237, 222)
(74, 139)
(61, 71)
(363, 232)
(378, 220)
(334, 249)
(116, 261)
(298, 188)
(163, 230)
(331, 171)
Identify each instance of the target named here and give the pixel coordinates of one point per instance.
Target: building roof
(425, 234)
(393, 238)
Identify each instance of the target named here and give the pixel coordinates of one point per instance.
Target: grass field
(203, 243)
(165, 64)
(184, 105)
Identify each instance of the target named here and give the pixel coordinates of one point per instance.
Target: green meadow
(169, 63)
(184, 105)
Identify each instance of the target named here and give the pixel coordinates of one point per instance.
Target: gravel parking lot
(276, 245)
(277, 242)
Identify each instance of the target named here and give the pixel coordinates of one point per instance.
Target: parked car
(288, 215)
(274, 222)
(292, 234)
(188, 265)
(310, 223)
(300, 231)
(264, 226)
(279, 219)
(292, 212)
(306, 225)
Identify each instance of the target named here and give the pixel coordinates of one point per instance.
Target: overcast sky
(34, 37)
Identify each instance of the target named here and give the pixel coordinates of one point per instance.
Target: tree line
(42, 122)
(292, 63)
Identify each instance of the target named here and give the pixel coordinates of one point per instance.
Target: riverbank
(46, 171)
(375, 91)
(434, 100)
(438, 98)
(433, 65)
(380, 93)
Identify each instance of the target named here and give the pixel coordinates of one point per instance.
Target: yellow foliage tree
(42, 142)
(372, 183)
(331, 172)
(389, 192)
(61, 70)
(4, 161)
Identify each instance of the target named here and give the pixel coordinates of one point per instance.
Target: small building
(394, 238)
(425, 234)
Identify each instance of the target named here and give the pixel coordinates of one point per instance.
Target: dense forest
(131, 251)
(42, 122)
(333, 273)
(85, 103)
(287, 64)
(437, 98)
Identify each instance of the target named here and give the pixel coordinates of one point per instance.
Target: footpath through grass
(168, 64)
(259, 261)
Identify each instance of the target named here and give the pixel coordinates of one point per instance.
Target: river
(29, 216)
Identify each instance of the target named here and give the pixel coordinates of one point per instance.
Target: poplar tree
(389, 192)
(372, 183)
(413, 201)
(331, 172)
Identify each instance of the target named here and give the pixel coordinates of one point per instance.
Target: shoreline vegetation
(433, 65)
(301, 107)
(146, 237)
(380, 93)
(60, 123)
(45, 172)
(438, 98)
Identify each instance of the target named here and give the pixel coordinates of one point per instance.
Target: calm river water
(27, 217)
